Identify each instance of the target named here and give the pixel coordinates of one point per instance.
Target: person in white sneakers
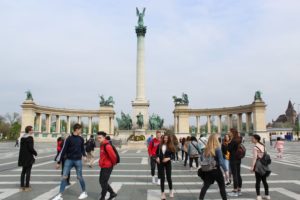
(258, 153)
(73, 149)
(153, 145)
(164, 154)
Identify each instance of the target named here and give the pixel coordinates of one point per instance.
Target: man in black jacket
(73, 149)
(26, 158)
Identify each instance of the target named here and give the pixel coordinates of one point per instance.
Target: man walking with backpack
(108, 159)
(74, 150)
(89, 148)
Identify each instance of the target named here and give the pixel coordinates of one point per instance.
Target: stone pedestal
(183, 124)
(28, 114)
(139, 132)
(106, 119)
(140, 107)
(259, 119)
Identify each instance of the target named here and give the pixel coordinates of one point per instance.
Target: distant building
(287, 120)
(285, 124)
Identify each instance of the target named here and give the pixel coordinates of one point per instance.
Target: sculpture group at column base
(140, 107)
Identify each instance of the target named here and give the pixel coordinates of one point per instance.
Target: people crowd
(214, 158)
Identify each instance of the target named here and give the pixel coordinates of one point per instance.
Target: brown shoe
(21, 189)
(27, 189)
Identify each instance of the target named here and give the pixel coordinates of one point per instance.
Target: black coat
(161, 156)
(26, 151)
(232, 148)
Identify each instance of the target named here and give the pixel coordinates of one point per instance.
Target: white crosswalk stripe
(133, 173)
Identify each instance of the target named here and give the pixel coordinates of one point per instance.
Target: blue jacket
(220, 160)
(73, 148)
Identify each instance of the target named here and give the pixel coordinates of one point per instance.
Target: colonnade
(254, 115)
(33, 115)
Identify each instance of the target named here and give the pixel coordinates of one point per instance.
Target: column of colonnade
(38, 122)
(239, 125)
(106, 123)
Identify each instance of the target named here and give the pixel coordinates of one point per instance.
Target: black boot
(112, 196)
(102, 198)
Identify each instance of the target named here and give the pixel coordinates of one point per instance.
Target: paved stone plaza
(131, 177)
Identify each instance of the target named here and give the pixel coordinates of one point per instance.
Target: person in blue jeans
(73, 150)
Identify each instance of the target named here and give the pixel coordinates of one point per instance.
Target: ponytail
(257, 137)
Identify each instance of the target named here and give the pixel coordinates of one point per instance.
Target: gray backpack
(208, 164)
(194, 149)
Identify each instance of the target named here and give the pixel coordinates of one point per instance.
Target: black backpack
(115, 150)
(88, 146)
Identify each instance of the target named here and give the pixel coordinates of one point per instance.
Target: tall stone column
(90, 126)
(57, 124)
(240, 122)
(68, 124)
(112, 125)
(248, 122)
(48, 123)
(140, 104)
(178, 123)
(40, 122)
(229, 122)
(175, 124)
(220, 124)
(36, 122)
(208, 125)
(198, 124)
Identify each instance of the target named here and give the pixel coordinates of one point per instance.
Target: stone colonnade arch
(32, 115)
(255, 114)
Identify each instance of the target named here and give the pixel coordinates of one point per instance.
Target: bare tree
(12, 118)
(2, 119)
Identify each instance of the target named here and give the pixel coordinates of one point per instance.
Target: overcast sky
(218, 52)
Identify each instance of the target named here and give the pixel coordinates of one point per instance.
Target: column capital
(140, 30)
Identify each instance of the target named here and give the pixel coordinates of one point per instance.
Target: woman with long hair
(258, 152)
(235, 163)
(213, 153)
(164, 154)
(226, 156)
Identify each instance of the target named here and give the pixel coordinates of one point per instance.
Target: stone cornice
(218, 111)
(67, 111)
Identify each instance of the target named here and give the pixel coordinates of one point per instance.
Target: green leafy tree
(14, 131)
